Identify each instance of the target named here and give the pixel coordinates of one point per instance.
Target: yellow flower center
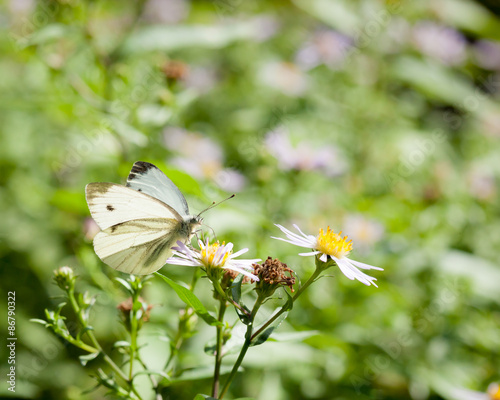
(333, 244)
(208, 254)
(494, 391)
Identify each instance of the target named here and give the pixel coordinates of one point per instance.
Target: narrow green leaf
(125, 284)
(203, 397)
(236, 288)
(38, 321)
(191, 300)
(88, 357)
(263, 336)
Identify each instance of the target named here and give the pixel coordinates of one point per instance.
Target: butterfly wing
(147, 178)
(140, 246)
(112, 204)
(137, 230)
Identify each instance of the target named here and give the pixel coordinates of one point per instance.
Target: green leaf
(236, 295)
(86, 358)
(294, 336)
(121, 343)
(173, 37)
(38, 321)
(236, 288)
(264, 335)
(125, 284)
(191, 300)
(203, 397)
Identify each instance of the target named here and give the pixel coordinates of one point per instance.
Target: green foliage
(386, 120)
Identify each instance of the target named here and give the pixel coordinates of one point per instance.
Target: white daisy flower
(333, 245)
(212, 256)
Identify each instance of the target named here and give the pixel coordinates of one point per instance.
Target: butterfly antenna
(214, 204)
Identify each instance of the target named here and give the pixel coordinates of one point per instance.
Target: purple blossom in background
(202, 158)
(487, 54)
(201, 78)
(325, 47)
(363, 231)
(166, 11)
(440, 42)
(283, 76)
(303, 156)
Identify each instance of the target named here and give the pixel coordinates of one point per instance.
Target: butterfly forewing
(112, 204)
(147, 178)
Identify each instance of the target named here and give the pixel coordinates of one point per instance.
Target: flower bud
(142, 315)
(64, 278)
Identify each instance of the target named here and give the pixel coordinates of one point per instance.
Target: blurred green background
(381, 119)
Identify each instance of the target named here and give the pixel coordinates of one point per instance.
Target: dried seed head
(175, 70)
(272, 274)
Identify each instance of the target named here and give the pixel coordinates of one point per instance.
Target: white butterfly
(139, 222)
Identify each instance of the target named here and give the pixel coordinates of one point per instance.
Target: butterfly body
(139, 222)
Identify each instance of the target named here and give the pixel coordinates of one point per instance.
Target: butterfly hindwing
(140, 246)
(147, 178)
(111, 204)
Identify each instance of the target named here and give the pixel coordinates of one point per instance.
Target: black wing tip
(140, 168)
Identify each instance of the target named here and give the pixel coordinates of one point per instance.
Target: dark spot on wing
(140, 168)
(109, 207)
(139, 190)
(114, 228)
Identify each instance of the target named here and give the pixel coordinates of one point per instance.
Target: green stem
(311, 279)
(93, 339)
(218, 349)
(179, 337)
(223, 295)
(244, 349)
(133, 336)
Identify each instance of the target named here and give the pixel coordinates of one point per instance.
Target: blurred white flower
(21, 7)
(325, 47)
(285, 77)
(493, 393)
(440, 42)
(481, 183)
(90, 228)
(490, 122)
(365, 232)
(202, 158)
(212, 256)
(303, 156)
(166, 11)
(487, 54)
(201, 78)
(330, 245)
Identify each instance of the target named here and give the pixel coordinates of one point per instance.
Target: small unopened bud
(125, 308)
(272, 274)
(64, 278)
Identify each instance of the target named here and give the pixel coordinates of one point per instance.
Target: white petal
(297, 242)
(312, 253)
(323, 257)
(292, 235)
(310, 237)
(241, 271)
(363, 265)
(238, 253)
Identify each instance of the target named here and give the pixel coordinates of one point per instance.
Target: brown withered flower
(175, 70)
(272, 274)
